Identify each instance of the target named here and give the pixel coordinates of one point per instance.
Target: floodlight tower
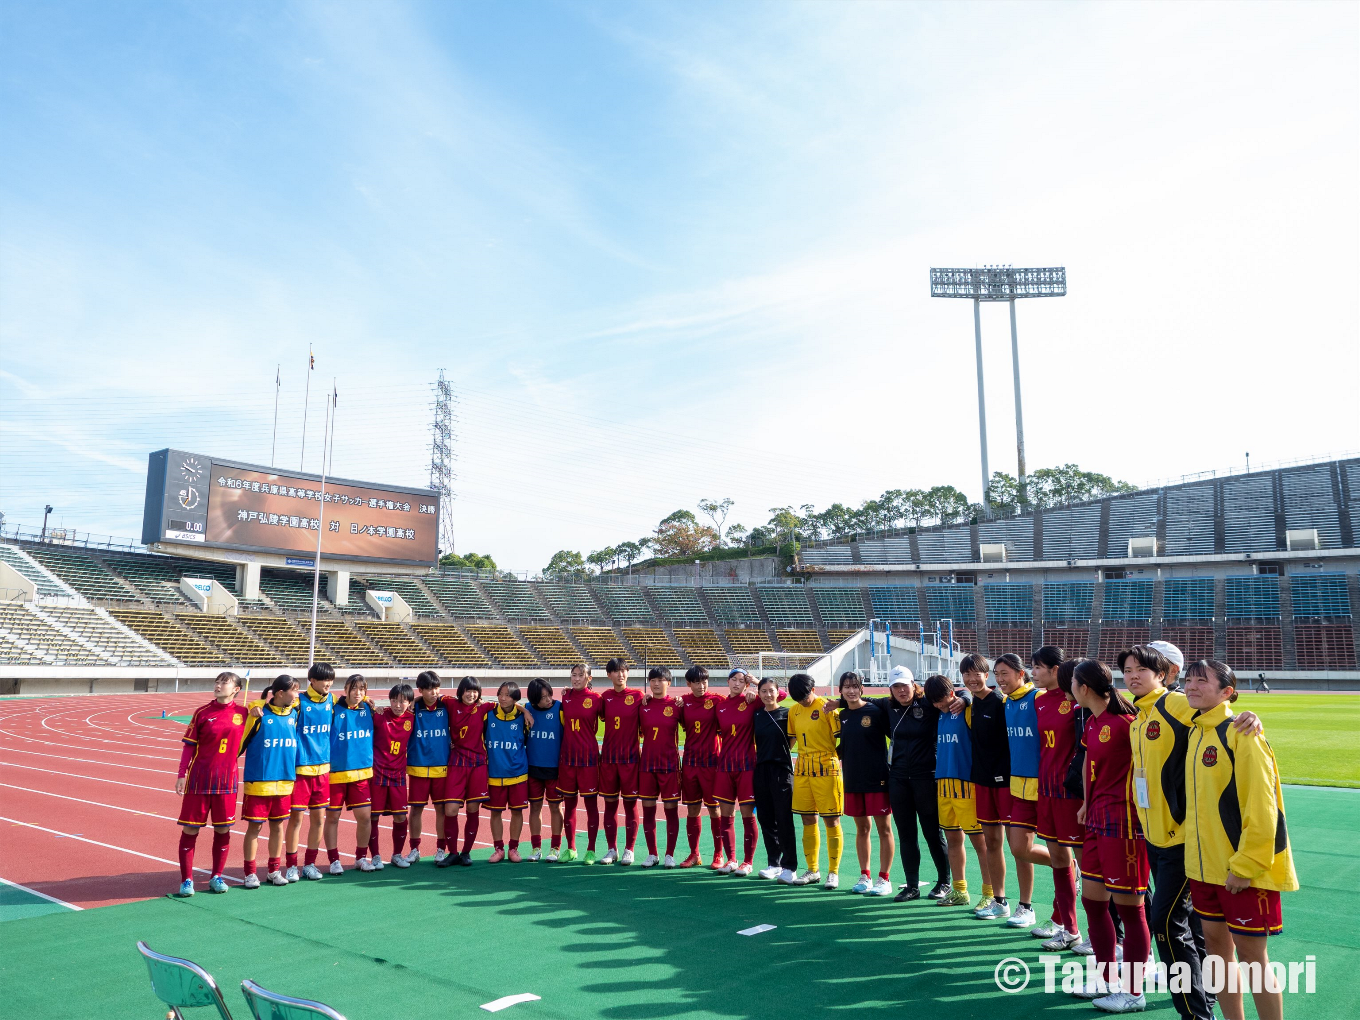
(998, 283)
(442, 457)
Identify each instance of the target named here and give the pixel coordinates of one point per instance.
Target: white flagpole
(306, 396)
(327, 441)
(273, 443)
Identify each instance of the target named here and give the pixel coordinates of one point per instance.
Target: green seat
(182, 984)
(267, 1005)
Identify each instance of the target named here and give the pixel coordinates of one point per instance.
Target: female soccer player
(619, 761)
(954, 789)
(467, 785)
(991, 780)
(207, 780)
(578, 770)
(311, 789)
(659, 778)
(507, 767)
(733, 782)
(698, 777)
(271, 748)
(391, 741)
(1114, 858)
(1238, 857)
(773, 783)
(1022, 738)
(427, 764)
(1056, 807)
(351, 770)
(864, 739)
(545, 748)
(818, 788)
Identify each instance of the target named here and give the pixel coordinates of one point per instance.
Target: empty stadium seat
(551, 645)
(282, 634)
(83, 573)
(803, 641)
(167, 635)
(569, 602)
(16, 559)
(840, 605)
(501, 642)
(626, 603)
(702, 647)
(460, 597)
(601, 644)
(733, 604)
(679, 604)
(21, 625)
(238, 645)
(396, 643)
(786, 605)
(654, 647)
(344, 644)
(448, 641)
(517, 600)
(749, 641)
(91, 626)
(408, 589)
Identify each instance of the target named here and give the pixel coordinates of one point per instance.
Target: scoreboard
(198, 500)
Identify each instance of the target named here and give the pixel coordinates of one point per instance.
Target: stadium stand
(1248, 514)
(1074, 640)
(786, 604)
(1015, 533)
(951, 602)
(702, 647)
(291, 591)
(570, 603)
(24, 627)
(156, 578)
(655, 648)
(1195, 643)
(1068, 602)
(448, 641)
(840, 605)
(164, 634)
(733, 604)
(1320, 596)
(1131, 516)
(238, 646)
(896, 603)
(749, 641)
(1115, 638)
(1016, 640)
(14, 653)
(1008, 603)
(345, 645)
(805, 642)
(679, 605)
(1127, 599)
(551, 645)
(1188, 598)
(516, 600)
(395, 642)
(837, 636)
(1255, 646)
(96, 629)
(626, 604)
(601, 644)
(281, 634)
(501, 642)
(460, 598)
(1255, 597)
(83, 573)
(408, 589)
(41, 581)
(1190, 520)
(1324, 646)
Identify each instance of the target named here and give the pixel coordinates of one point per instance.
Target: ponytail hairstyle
(1212, 669)
(1096, 677)
(1050, 656)
(282, 682)
(1065, 669)
(469, 683)
(1013, 661)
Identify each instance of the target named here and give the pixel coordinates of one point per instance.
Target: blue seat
(183, 984)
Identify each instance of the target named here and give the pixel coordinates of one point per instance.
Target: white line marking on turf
(757, 929)
(506, 1001)
(108, 846)
(40, 895)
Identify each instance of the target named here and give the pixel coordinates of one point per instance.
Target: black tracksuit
(773, 784)
(912, 733)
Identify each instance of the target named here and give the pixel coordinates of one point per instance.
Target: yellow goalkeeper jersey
(814, 729)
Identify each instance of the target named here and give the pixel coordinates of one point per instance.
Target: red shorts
(421, 790)
(311, 791)
(466, 783)
(544, 789)
(266, 809)
(578, 779)
(1058, 821)
(735, 787)
(196, 807)
(388, 800)
(1120, 864)
(698, 783)
(660, 785)
(993, 804)
(354, 794)
(514, 797)
(1024, 814)
(1250, 912)
(618, 780)
(866, 805)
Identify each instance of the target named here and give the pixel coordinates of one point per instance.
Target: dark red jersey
(391, 736)
(701, 729)
(736, 728)
(467, 731)
(581, 712)
(660, 729)
(211, 745)
(1057, 741)
(1109, 775)
(622, 726)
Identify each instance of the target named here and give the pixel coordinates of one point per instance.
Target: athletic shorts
(618, 780)
(993, 804)
(515, 796)
(311, 792)
(543, 784)
(818, 795)
(466, 783)
(354, 794)
(698, 783)
(873, 804)
(578, 779)
(266, 809)
(1120, 864)
(659, 785)
(956, 803)
(388, 800)
(1024, 814)
(1250, 912)
(196, 807)
(735, 787)
(422, 790)
(1058, 820)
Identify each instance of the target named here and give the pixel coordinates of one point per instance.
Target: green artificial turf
(1316, 737)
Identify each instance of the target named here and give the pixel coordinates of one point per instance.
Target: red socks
(611, 823)
(536, 842)
(715, 826)
(309, 857)
(630, 823)
(592, 818)
(248, 867)
(557, 841)
(649, 826)
(1100, 927)
(673, 828)
(291, 859)
(360, 852)
(569, 819)
(727, 826)
(373, 848)
(275, 863)
(220, 845)
(1065, 898)
(748, 839)
(692, 831)
(1137, 941)
(470, 829)
(332, 855)
(399, 827)
(186, 855)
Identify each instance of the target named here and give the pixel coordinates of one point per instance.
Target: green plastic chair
(181, 984)
(267, 1005)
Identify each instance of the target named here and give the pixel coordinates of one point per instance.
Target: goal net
(782, 665)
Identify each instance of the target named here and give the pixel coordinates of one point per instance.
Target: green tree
(600, 557)
(628, 552)
(1004, 493)
(467, 561)
(716, 511)
(1070, 484)
(565, 565)
(946, 504)
(681, 534)
(737, 535)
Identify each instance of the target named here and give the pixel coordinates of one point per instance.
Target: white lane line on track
(93, 779)
(88, 761)
(76, 747)
(40, 895)
(107, 846)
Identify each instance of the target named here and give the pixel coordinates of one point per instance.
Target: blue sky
(668, 251)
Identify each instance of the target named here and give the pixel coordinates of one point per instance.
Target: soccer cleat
(336, 868)
(398, 861)
(691, 860)
(808, 878)
(726, 868)
(668, 861)
(552, 856)
(439, 856)
(186, 888)
(311, 872)
(717, 864)
(863, 885)
(252, 881)
(411, 857)
(567, 855)
(650, 861)
(995, 912)
(1121, 1002)
(1063, 940)
(907, 892)
(378, 864)
(626, 858)
(882, 887)
(787, 877)
(513, 855)
(497, 855)
(447, 861)
(292, 874)
(833, 881)
(366, 864)
(217, 884)
(743, 870)
(465, 859)
(1022, 918)
(772, 872)
(1092, 991)
(1046, 930)
(1084, 948)
(534, 858)
(611, 856)
(589, 858)
(938, 891)
(954, 898)
(276, 878)
(983, 904)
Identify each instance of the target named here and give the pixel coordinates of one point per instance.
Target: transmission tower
(442, 458)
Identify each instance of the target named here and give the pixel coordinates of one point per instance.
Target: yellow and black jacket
(1160, 734)
(1234, 821)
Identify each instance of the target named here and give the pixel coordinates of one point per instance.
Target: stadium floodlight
(998, 283)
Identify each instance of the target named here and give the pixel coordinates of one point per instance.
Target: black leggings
(914, 799)
(773, 782)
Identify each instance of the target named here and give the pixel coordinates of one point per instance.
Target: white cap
(900, 675)
(1170, 653)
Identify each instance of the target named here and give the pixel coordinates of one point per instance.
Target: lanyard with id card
(1140, 788)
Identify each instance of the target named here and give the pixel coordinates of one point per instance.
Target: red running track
(88, 804)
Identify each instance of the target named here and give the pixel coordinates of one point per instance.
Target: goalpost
(782, 665)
